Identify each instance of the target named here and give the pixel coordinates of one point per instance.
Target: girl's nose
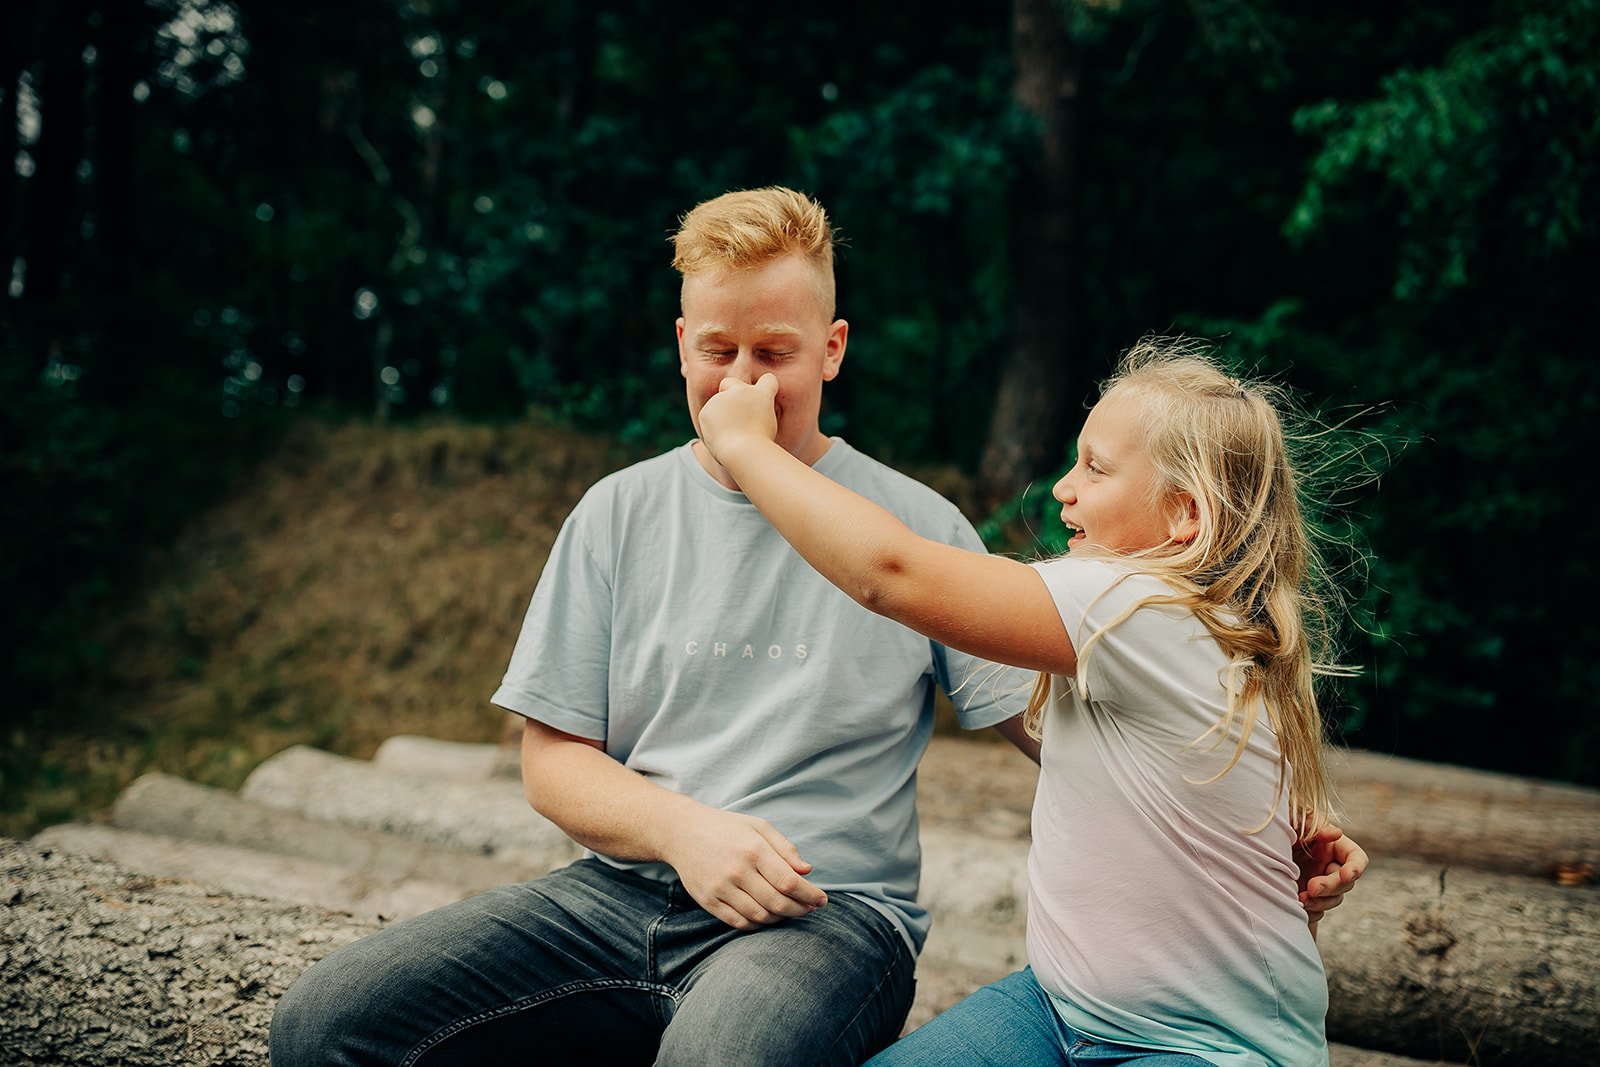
(1063, 490)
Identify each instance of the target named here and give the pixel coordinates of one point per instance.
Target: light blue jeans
(594, 965)
(1011, 1023)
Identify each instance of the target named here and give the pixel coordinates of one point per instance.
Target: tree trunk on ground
(1469, 818)
(1465, 966)
(98, 966)
(1026, 430)
(1395, 807)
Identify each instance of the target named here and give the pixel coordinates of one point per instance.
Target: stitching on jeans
(894, 966)
(650, 960)
(850, 1023)
(515, 1006)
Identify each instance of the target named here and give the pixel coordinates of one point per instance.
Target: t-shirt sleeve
(983, 692)
(1123, 664)
(560, 668)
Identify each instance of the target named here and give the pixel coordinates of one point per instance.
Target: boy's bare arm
(737, 867)
(1012, 731)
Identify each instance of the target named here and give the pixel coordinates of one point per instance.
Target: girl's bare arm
(988, 606)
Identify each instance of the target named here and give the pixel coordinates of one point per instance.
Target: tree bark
(99, 966)
(1469, 818)
(1026, 430)
(1466, 966)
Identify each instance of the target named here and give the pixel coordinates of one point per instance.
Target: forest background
(420, 246)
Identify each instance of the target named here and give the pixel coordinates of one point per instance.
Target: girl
(1181, 744)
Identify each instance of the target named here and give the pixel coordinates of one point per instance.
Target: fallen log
(490, 817)
(163, 805)
(1469, 818)
(102, 967)
(247, 872)
(464, 760)
(1423, 960)
(105, 968)
(1467, 965)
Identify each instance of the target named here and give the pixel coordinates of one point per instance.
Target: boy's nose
(1063, 490)
(744, 368)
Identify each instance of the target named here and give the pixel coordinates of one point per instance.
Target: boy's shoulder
(653, 472)
(883, 484)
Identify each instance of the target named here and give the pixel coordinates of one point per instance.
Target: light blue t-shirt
(1162, 906)
(673, 623)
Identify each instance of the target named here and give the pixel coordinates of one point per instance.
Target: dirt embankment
(365, 581)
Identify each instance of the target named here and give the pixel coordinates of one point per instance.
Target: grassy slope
(368, 581)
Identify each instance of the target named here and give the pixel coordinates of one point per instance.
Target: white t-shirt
(673, 623)
(1154, 917)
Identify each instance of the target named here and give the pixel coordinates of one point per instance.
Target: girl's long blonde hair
(1254, 574)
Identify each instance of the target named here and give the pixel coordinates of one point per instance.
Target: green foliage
(399, 207)
(1493, 149)
(89, 487)
(1480, 173)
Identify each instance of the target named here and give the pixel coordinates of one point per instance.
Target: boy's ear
(1186, 523)
(833, 355)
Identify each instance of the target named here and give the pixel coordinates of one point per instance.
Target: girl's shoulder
(1105, 575)
(1094, 592)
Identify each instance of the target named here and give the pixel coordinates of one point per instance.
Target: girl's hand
(1329, 865)
(738, 411)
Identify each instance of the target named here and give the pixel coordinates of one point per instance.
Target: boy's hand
(741, 869)
(739, 410)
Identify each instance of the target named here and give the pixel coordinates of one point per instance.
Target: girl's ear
(1186, 521)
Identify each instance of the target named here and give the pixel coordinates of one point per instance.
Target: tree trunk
(1469, 818)
(116, 71)
(99, 966)
(1466, 966)
(1422, 959)
(1026, 430)
(13, 45)
(49, 232)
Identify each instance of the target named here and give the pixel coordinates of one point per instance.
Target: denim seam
(441, 1035)
(650, 964)
(888, 973)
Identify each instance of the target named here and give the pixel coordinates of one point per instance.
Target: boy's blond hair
(749, 228)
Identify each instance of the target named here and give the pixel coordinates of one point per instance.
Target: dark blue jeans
(594, 964)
